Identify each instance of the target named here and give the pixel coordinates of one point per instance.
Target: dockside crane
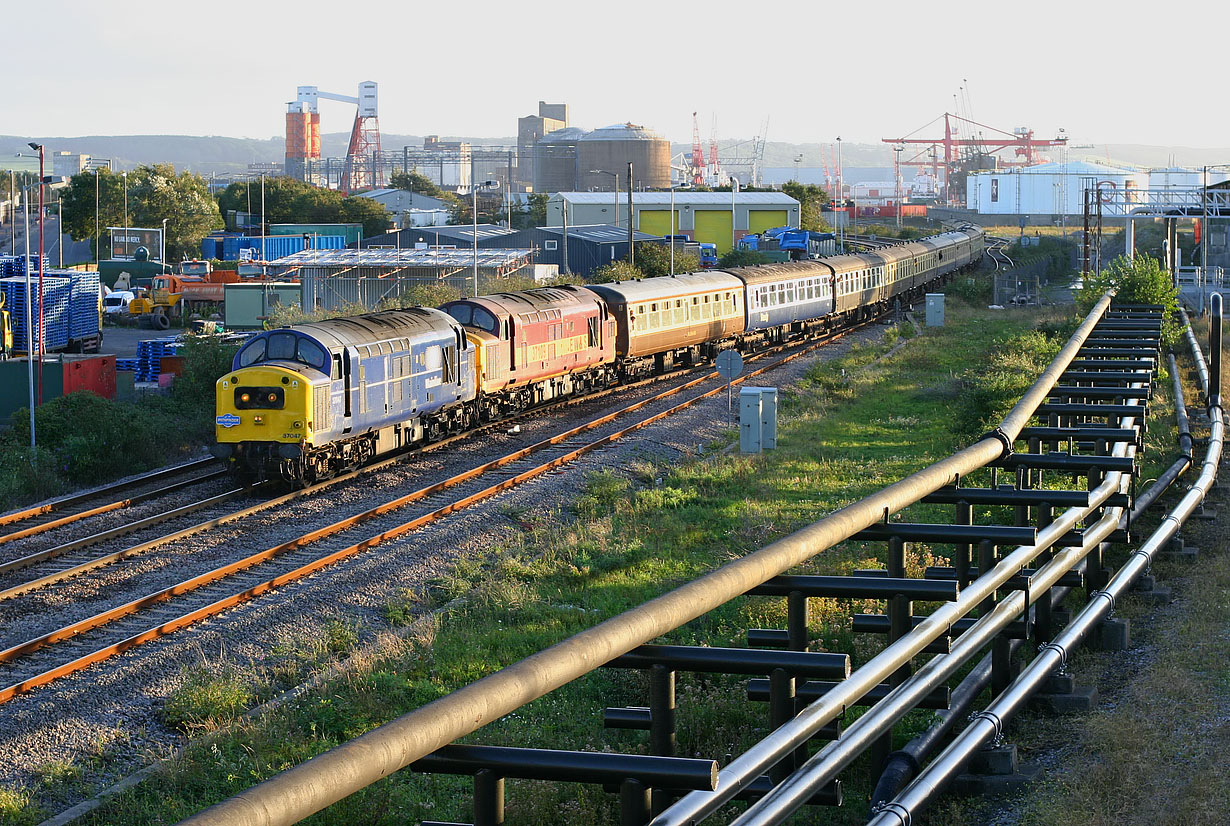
(1021, 141)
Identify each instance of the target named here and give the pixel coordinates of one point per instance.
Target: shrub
(1140, 280)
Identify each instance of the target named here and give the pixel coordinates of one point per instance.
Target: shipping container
(61, 374)
(890, 211)
(272, 247)
(247, 306)
(210, 248)
(352, 233)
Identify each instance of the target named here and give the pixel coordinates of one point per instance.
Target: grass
(850, 427)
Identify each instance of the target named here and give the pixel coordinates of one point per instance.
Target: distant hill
(218, 154)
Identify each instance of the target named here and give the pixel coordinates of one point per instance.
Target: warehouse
(460, 236)
(369, 278)
(704, 217)
(1050, 189)
(589, 247)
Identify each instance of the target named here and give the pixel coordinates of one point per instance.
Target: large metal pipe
(292, 795)
(794, 792)
(1202, 367)
(989, 723)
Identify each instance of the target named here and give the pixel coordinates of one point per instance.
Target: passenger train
(311, 400)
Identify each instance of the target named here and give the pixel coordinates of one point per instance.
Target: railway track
(1001, 589)
(42, 659)
(68, 510)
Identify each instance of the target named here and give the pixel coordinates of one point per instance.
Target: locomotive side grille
(320, 412)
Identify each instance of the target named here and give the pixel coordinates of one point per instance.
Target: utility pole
(631, 220)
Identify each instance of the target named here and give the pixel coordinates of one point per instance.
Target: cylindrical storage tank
(612, 147)
(555, 160)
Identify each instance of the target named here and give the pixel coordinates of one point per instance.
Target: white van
(116, 302)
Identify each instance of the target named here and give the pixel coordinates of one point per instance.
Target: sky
(1105, 72)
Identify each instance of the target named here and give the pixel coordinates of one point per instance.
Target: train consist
(314, 399)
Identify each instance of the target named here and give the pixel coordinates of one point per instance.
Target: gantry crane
(1021, 140)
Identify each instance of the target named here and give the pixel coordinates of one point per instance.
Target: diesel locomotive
(309, 401)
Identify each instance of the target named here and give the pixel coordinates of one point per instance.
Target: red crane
(1022, 141)
(698, 155)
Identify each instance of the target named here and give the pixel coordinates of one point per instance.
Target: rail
(1120, 350)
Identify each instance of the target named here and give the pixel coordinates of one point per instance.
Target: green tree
(291, 201)
(372, 214)
(653, 259)
(1140, 280)
(415, 181)
(810, 197)
(154, 193)
(741, 258)
(538, 209)
(619, 270)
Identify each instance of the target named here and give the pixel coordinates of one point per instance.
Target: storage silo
(555, 160)
(612, 147)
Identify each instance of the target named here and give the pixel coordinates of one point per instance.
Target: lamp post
(734, 191)
(25, 200)
(124, 175)
(897, 179)
(162, 243)
(673, 232)
(614, 191)
(631, 221)
(474, 192)
(12, 212)
(38, 147)
(263, 217)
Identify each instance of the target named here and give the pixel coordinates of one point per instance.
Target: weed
(207, 700)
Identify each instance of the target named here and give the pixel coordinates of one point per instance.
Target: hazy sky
(1107, 72)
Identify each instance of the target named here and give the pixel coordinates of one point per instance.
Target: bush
(1140, 280)
(742, 258)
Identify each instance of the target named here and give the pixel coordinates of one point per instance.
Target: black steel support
(634, 803)
(811, 690)
(488, 798)
(662, 711)
(781, 709)
(735, 660)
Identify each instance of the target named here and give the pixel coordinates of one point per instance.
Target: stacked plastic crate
(12, 266)
(86, 292)
(55, 311)
(150, 354)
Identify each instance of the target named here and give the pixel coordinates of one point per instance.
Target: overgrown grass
(850, 427)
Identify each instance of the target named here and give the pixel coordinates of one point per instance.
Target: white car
(116, 302)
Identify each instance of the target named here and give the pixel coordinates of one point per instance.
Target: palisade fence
(999, 596)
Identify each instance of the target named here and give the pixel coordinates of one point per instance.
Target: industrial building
(531, 129)
(1050, 189)
(410, 209)
(572, 159)
(589, 247)
(371, 278)
(705, 217)
(459, 236)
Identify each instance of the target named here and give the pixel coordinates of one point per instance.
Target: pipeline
(989, 724)
(904, 764)
(298, 792)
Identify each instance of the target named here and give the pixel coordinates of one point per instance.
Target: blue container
(328, 242)
(209, 248)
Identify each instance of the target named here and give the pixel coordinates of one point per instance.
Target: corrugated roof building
(370, 278)
(705, 217)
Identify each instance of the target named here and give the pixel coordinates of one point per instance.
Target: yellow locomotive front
(263, 415)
